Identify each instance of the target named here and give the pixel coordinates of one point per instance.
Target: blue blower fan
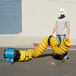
(9, 55)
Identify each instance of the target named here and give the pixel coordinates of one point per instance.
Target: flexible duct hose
(41, 48)
(58, 48)
(62, 48)
(25, 55)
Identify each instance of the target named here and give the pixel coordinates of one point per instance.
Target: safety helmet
(62, 11)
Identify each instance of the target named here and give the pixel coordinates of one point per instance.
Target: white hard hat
(62, 11)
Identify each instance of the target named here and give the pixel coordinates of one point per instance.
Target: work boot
(65, 58)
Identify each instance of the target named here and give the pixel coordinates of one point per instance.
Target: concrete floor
(40, 66)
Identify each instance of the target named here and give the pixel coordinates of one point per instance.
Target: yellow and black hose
(58, 48)
(26, 55)
(41, 48)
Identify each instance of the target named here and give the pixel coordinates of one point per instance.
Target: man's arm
(68, 30)
(54, 29)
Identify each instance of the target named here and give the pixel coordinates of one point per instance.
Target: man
(62, 28)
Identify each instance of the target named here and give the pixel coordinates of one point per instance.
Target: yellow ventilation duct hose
(60, 49)
(26, 55)
(41, 48)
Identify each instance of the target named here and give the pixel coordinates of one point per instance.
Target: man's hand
(67, 37)
(51, 35)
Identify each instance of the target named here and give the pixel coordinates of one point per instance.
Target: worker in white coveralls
(62, 28)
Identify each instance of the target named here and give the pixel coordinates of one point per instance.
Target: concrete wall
(39, 16)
